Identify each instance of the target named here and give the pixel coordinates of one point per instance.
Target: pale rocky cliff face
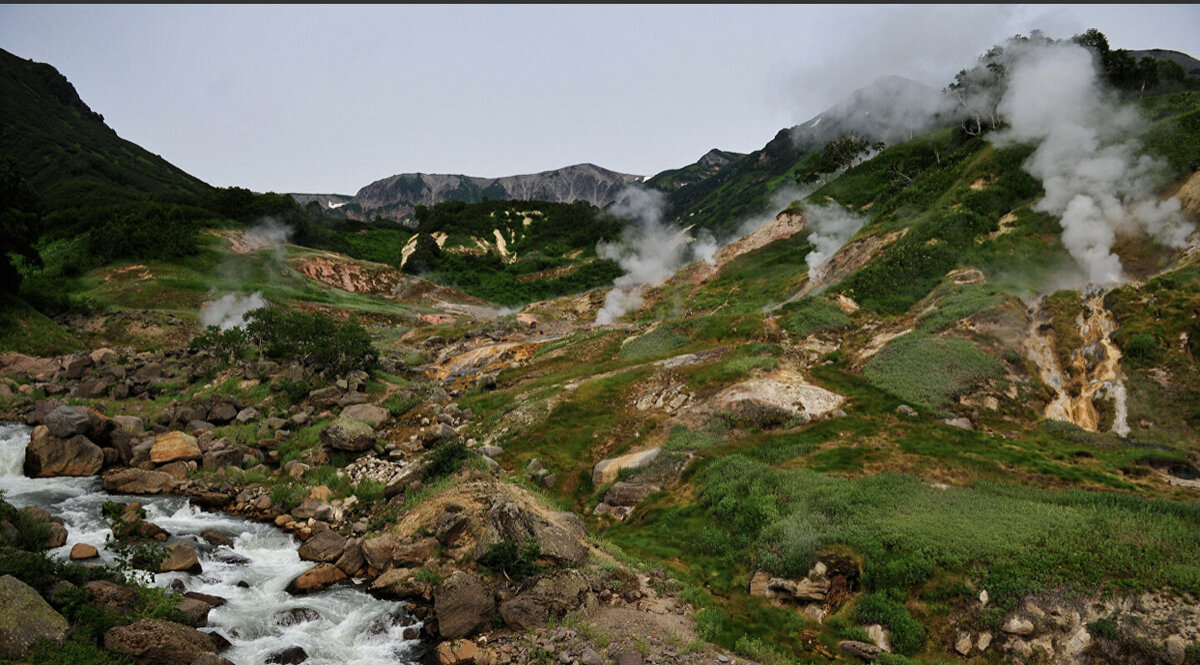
(399, 194)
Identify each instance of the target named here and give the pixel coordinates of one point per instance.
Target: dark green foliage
(900, 277)
(20, 222)
(1142, 350)
(930, 371)
(959, 302)
(744, 188)
(313, 339)
(901, 572)
(445, 459)
(513, 559)
(288, 495)
(148, 232)
(840, 153)
(908, 635)
(812, 315)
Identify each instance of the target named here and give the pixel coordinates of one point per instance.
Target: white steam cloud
(830, 227)
(649, 251)
(229, 311)
(1095, 177)
(269, 232)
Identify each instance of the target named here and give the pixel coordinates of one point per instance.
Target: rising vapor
(649, 251)
(1096, 178)
(229, 311)
(830, 227)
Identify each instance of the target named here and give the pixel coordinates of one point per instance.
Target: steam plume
(229, 311)
(830, 227)
(1095, 177)
(649, 251)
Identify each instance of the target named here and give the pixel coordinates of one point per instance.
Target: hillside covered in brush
(915, 383)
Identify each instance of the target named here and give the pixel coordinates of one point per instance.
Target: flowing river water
(353, 627)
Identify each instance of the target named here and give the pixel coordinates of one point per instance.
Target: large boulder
(158, 642)
(464, 605)
(629, 494)
(137, 481)
(68, 421)
(606, 471)
(181, 557)
(26, 617)
(324, 547)
(550, 598)
(112, 597)
(173, 446)
(47, 455)
(320, 576)
(508, 521)
(378, 551)
(348, 434)
(367, 413)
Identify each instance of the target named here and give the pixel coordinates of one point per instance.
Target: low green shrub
(908, 635)
(445, 459)
(812, 315)
(513, 559)
(930, 371)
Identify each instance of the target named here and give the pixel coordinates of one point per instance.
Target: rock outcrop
(157, 642)
(508, 521)
(464, 605)
(26, 617)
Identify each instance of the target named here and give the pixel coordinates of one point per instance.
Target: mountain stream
(349, 627)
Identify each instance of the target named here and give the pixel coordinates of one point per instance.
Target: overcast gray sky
(326, 99)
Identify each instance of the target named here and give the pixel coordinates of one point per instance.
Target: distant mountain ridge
(398, 195)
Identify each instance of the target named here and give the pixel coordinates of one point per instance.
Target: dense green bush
(313, 339)
(513, 559)
(908, 635)
(445, 459)
(147, 232)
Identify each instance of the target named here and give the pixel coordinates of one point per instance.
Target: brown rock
(83, 551)
(378, 551)
(137, 481)
(157, 642)
(416, 554)
(457, 652)
(174, 446)
(110, 596)
(758, 584)
(326, 547)
(860, 650)
(398, 583)
(47, 455)
(320, 576)
(181, 557)
(351, 559)
(463, 604)
(196, 611)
